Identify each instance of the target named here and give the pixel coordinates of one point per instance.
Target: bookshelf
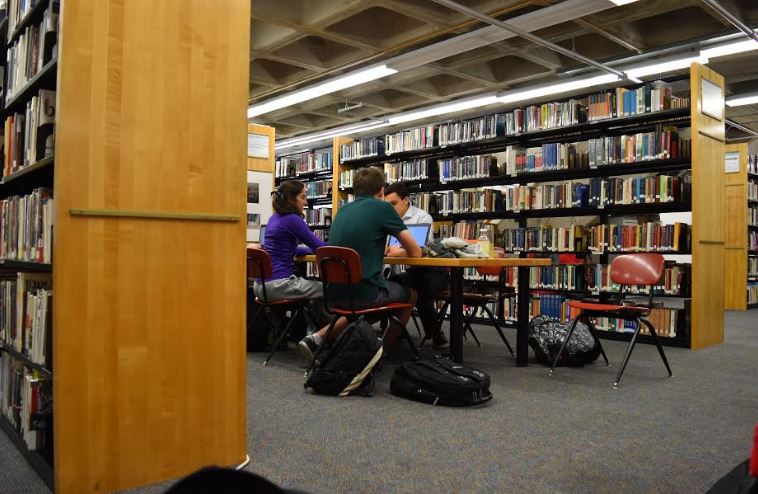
(682, 181)
(751, 162)
(148, 326)
(737, 229)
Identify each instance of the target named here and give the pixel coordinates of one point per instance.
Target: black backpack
(441, 381)
(546, 337)
(347, 367)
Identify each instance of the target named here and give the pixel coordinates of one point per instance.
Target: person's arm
(410, 247)
(306, 236)
(395, 226)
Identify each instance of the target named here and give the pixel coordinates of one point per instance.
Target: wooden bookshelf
(148, 326)
(735, 234)
(707, 233)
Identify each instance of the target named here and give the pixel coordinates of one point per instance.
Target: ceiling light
(562, 87)
(320, 136)
(730, 48)
(665, 66)
(742, 99)
(622, 2)
(334, 85)
(453, 107)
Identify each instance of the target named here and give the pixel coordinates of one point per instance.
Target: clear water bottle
(485, 244)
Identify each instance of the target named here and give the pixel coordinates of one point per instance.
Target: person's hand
(395, 251)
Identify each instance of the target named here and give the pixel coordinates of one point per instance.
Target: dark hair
(223, 480)
(368, 181)
(283, 198)
(398, 188)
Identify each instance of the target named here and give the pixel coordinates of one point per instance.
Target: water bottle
(485, 245)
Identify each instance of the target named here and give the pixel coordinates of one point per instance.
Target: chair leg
(563, 345)
(415, 322)
(591, 327)
(658, 344)
(283, 335)
(499, 330)
(256, 313)
(628, 353)
(468, 329)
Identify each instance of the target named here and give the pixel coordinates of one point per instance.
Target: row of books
(26, 226)
(622, 102)
(471, 130)
(406, 171)
(467, 168)
(640, 237)
(35, 47)
(466, 230)
(26, 315)
(545, 116)
(303, 163)
(25, 396)
(599, 192)
(752, 293)
(752, 216)
(319, 189)
(364, 147)
(752, 163)
(752, 190)
(544, 238)
(664, 143)
(752, 240)
(318, 215)
(675, 280)
(29, 136)
(346, 179)
(752, 266)
(411, 139)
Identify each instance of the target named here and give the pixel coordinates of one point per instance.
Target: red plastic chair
(341, 265)
(630, 269)
(259, 268)
(480, 300)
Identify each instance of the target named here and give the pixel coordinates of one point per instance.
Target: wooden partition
(707, 209)
(735, 238)
(260, 164)
(149, 272)
(338, 168)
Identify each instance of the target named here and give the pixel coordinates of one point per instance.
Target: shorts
(394, 293)
(292, 287)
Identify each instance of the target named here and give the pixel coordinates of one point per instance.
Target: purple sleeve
(304, 235)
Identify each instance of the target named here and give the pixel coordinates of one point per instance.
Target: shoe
(439, 341)
(307, 348)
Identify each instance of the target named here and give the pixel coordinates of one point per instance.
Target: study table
(457, 266)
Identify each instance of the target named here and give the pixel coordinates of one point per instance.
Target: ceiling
(295, 43)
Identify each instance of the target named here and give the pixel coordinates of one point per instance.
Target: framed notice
(257, 146)
(711, 99)
(732, 162)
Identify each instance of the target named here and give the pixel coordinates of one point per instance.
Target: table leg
(522, 331)
(456, 314)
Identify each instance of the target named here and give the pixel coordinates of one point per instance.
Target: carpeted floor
(570, 433)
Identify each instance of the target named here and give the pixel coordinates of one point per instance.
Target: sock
(317, 339)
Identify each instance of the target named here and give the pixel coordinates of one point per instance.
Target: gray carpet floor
(570, 433)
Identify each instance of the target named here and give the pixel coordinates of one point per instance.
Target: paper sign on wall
(257, 146)
(732, 162)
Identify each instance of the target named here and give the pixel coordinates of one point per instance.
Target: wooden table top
(455, 262)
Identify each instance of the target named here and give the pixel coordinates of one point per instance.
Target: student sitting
(428, 282)
(285, 230)
(363, 225)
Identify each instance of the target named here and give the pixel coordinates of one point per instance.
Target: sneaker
(307, 348)
(439, 341)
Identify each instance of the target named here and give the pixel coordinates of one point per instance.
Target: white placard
(732, 162)
(711, 99)
(259, 187)
(257, 146)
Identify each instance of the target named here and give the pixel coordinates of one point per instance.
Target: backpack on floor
(347, 367)
(546, 337)
(441, 381)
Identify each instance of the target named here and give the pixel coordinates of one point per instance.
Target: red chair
(341, 265)
(630, 269)
(259, 268)
(476, 301)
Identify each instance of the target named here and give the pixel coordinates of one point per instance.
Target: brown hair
(283, 198)
(398, 188)
(368, 181)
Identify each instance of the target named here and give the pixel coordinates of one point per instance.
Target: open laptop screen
(420, 232)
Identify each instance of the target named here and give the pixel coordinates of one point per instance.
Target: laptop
(262, 236)
(419, 231)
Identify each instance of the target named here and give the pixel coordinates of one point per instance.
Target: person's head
(289, 197)
(369, 181)
(397, 195)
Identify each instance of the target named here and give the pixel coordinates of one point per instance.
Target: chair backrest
(339, 265)
(489, 270)
(637, 269)
(258, 263)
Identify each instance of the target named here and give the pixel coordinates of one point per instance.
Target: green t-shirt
(363, 225)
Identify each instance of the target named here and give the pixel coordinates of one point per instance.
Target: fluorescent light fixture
(730, 48)
(665, 66)
(320, 136)
(622, 2)
(453, 107)
(334, 85)
(562, 87)
(742, 99)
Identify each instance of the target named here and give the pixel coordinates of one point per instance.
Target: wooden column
(338, 168)
(263, 164)
(149, 317)
(735, 234)
(707, 212)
